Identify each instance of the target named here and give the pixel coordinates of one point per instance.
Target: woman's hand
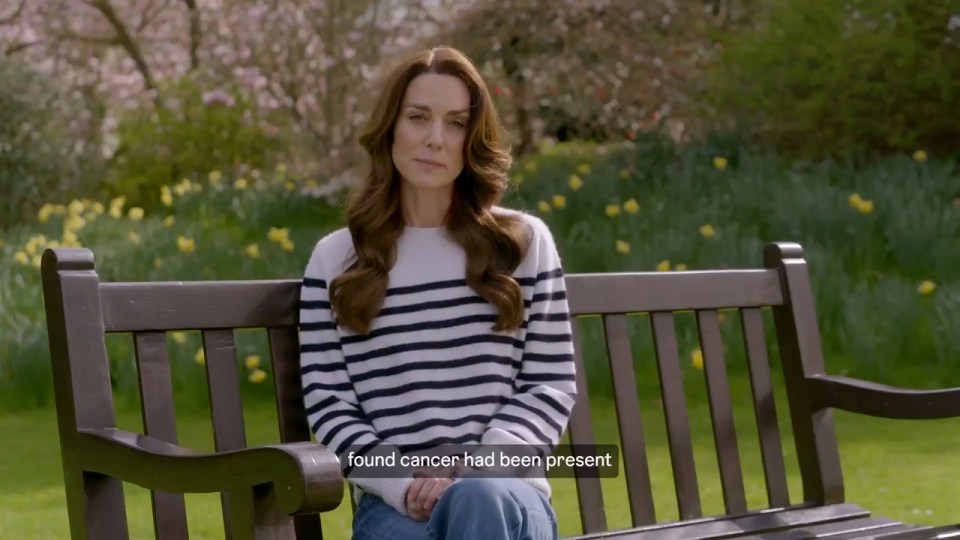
(424, 492)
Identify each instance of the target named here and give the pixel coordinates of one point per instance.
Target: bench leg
(95, 505)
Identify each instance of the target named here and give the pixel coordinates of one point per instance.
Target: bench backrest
(81, 311)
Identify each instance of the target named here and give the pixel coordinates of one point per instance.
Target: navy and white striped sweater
(432, 371)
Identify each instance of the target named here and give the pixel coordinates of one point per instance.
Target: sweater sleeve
(332, 408)
(545, 387)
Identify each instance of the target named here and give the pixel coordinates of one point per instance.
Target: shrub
(42, 146)
(821, 77)
(188, 131)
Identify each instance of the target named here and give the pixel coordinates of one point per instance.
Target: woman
(437, 318)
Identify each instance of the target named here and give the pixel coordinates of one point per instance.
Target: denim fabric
(470, 509)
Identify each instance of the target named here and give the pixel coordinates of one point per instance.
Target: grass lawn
(895, 468)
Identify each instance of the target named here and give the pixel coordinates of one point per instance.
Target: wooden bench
(262, 488)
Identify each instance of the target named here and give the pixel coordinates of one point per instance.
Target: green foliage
(42, 151)
(189, 130)
(822, 77)
(706, 208)
(635, 206)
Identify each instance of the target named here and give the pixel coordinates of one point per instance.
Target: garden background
(203, 139)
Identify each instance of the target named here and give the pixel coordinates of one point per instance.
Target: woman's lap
(472, 507)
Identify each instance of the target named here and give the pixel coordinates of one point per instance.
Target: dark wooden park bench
(279, 491)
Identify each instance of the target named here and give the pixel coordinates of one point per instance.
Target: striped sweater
(432, 370)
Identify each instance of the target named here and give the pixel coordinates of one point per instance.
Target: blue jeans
(470, 509)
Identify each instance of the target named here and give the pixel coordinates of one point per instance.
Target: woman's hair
(494, 244)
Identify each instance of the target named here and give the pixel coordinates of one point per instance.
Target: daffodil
(559, 201)
(631, 206)
(183, 187)
(253, 251)
(289, 186)
(240, 184)
(76, 207)
(116, 206)
(707, 231)
(215, 177)
(70, 239)
(583, 168)
(613, 210)
(543, 206)
(278, 235)
(74, 223)
(696, 359)
(200, 357)
(133, 237)
(21, 257)
(680, 267)
(920, 156)
(257, 376)
(286, 245)
(136, 213)
(663, 266)
(575, 182)
(168, 221)
(253, 361)
(927, 287)
(623, 247)
(166, 196)
(720, 163)
(186, 245)
(860, 204)
(43, 215)
(179, 337)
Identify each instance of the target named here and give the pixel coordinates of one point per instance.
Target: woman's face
(431, 130)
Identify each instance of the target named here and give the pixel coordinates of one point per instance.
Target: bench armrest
(306, 476)
(882, 400)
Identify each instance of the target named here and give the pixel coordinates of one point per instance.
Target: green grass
(896, 469)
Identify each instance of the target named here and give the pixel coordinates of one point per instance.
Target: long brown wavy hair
(494, 244)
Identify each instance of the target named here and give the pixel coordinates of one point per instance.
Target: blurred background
(214, 139)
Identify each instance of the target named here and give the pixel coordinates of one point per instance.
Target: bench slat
(612, 293)
(634, 448)
(835, 529)
(675, 411)
(580, 429)
(129, 307)
(226, 411)
(753, 523)
(285, 361)
(765, 411)
(159, 421)
(721, 412)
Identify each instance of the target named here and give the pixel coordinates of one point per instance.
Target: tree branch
(70, 35)
(196, 33)
(126, 40)
(15, 15)
(19, 47)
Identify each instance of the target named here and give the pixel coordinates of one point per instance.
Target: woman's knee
(479, 490)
